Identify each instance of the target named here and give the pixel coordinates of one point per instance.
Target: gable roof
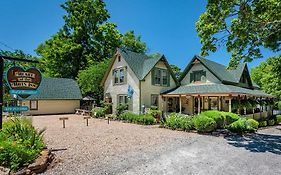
(218, 70)
(140, 63)
(57, 89)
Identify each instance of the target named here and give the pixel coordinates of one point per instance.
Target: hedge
(243, 125)
(179, 121)
(135, 118)
(203, 123)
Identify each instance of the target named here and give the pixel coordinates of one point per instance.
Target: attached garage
(56, 96)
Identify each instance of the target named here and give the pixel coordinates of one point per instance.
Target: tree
(176, 70)
(133, 43)
(89, 80)
(243, 26)
(85, 38)
(268, 76)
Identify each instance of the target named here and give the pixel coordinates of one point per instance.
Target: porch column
(219, 103)
(229, 104)
(199, 107)
(260, 107)
(180, 103)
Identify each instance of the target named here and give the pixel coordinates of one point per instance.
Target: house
(143, 81)
(144, 77)
(207, 85)
(56, 96)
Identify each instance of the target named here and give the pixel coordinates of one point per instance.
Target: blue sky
(166, 26)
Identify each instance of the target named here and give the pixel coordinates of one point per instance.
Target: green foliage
(278, 119)
(203, 123)
(120, 108)
(98, 112)
(85, 39)
(268, 76)
(90, 79)
(176, 70)
(270, 122)
(230, 117)
(243, 126)
(133, 43)
(178, 121)
(20, 143)
(135, 118)
(155, 113)
(242, 26)
(262, 123)
(217, 116)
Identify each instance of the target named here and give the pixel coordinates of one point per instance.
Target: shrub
(20, 143)
(243, 125)
(135, 118)
(98, 112)
(271, 122)
(230, 117)
(262, 123)
(278, 119)
(217, 116)
(155, 113)
(203, 123)
(178, 121)
(121, 108)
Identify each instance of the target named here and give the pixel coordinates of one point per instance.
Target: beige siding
(147, 89)
(53, 106)
(210, 78)
(187, 104)
(115, 90)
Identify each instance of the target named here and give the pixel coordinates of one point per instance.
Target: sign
(23, 82)
(16, 109)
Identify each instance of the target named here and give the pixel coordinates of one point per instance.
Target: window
(119, 58)
(198, 76)
(122, 99)
(119, 76)
(154, 100)
(160, 77)
(33, 105)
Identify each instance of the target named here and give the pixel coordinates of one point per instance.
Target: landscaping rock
(4, 171)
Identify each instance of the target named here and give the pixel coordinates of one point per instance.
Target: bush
(230, 117)
(278, 119)
(270, 122)
(155, 113)
(98, 112)
(203, 123)
(20, 143)
(243, 125)
(121, 108)
(135, 118)
(217, 116)
(178, 121)
(262, 123)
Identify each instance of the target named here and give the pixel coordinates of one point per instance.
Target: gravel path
(122, 148)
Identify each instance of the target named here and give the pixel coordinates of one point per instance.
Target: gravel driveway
(122, 148)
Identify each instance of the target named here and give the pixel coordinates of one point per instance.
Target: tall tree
(176, 70)
(85, 38)
(133, 43)
(243, 26)
(268, 75)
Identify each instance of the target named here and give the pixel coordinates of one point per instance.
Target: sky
(167, 26)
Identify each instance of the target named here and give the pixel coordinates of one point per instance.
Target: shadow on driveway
(257, 142)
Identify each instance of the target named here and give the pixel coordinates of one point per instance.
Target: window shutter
(168, 78)
(113, 77)
(125, 75)
(191, 77)
(153, 76)
(204, 73)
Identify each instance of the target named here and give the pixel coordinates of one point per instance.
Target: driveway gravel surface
(123, 148)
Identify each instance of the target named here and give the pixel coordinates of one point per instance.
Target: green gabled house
(142, 81)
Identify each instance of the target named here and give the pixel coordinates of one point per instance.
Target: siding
(210, 78)
(147, 89)
(53, 106)
(114, 90)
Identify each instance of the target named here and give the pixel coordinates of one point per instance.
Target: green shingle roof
(215, 89)
(141, 64)
(57, 89)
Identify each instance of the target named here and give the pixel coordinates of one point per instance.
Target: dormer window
(198, 76)
(160, 77)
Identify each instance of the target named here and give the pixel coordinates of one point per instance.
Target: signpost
(20, 80)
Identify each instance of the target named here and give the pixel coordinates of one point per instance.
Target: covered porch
(196, 99)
